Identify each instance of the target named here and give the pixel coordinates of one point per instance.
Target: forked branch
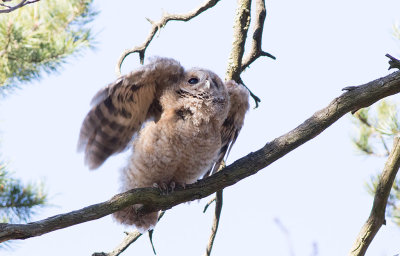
(156, 26)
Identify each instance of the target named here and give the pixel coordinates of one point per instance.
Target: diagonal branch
(130, 238)
(156, 27)
(377, 216)
(9, 8)
(356, 98)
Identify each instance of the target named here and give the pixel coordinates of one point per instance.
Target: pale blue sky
(317, 191)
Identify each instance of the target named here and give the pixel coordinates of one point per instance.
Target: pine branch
(377, 215)
(156, 27)
(359, 97)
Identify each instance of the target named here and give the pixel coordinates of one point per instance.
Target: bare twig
(208, 204)
(156, 26)
(377, 216)
(130, 238)
(9, 9)
(217, 216)
(393, 62)
(256, 51)
(361, 96)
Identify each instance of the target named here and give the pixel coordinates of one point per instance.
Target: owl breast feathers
(192, 119)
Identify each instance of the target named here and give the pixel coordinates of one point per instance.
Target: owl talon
(162, 187)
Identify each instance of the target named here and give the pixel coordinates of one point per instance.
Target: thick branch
(256, 51)
(9, 9)
(156, 26)
(358, 97)
(377, 216)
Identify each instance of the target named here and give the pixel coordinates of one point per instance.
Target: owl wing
(119, 109)
(239, 104)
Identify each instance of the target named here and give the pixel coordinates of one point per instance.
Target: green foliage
(17, 201)
(35, 38)
(38, 37)
(376, 129)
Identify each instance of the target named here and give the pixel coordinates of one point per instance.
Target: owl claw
(166, 189)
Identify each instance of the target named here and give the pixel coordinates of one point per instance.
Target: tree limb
(9, 9)
(156, 26)
(377, 216)
(358, 97)
(240, 28)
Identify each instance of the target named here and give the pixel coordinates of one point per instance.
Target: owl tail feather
(130, 216)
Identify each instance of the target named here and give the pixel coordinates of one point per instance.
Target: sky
(313, 201)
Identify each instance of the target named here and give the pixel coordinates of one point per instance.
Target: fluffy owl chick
(195, 117)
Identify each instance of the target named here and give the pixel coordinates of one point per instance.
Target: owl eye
(193, 80)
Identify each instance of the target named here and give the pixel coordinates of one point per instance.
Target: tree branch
(256, 51)
(217, 215)
(377, 216)
(358, 97)
(9, 9)
(130, 238)
(156, 26)
(240, 28)
(393, 62)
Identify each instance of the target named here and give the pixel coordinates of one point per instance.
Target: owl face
(204, 84)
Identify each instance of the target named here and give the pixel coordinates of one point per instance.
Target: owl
(180, 124)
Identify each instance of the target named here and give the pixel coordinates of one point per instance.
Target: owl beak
(207, 84)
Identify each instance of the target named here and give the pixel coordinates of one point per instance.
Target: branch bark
(377, 216)
(240, 28)
(156, 26)
(358, 97)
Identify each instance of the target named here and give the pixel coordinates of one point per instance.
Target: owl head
(199, 90)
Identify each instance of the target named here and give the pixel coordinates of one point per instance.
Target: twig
(156, 26)
(208, 204)
(360, 97)
(217, 216)
(130, 238)
(256, 51)
(393, 62)
(377, 216)
(19, 5)
(286, 233)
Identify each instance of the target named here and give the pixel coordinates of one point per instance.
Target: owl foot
(164, 188)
